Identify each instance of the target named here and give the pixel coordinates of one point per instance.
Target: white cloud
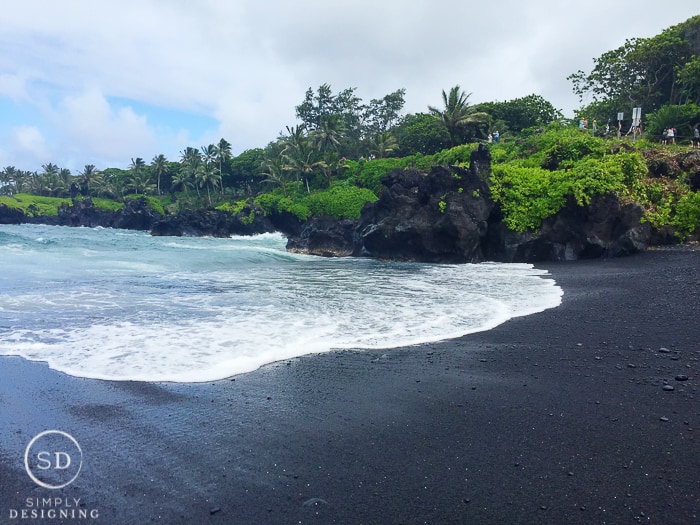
(25, 147)
(13, 86)
(248, 63)
(89, 123)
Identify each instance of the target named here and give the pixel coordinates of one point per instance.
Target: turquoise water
(118, 304)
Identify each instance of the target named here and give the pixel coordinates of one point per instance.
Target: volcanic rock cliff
(448, 216)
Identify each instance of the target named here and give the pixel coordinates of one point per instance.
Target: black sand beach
(562, 417)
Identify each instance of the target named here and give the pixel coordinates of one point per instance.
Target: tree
(344, 121)
(644, 71)
(159, 165)
(420, 133)
(316, 106)
(457, 113)
(383, 114)
(522, 113)
(87, 177)
(140, 182)
(245, 168)
(223, 156)
(274, 173)
(384, 144)
(52, 182)
(139, 179)
(191, 160)
(50, 169)
(299, 156)
(681, 117)
(8, 180)
(329, 132)
(112, 183)
(182, 180)
(207, 174)
(207, 177)
(689, 79)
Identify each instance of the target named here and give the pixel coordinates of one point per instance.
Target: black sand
(555, 418)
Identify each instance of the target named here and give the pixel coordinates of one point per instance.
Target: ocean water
(122, 305)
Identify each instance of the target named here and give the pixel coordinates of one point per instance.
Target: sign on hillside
(636, 116)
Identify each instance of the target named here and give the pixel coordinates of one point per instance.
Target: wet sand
(566, 416)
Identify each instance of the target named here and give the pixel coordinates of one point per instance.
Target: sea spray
(122, 305)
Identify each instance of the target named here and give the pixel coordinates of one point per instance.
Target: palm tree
(299, 155)
(159, 165)
(206, 176)
(328, 133)
(383, 144)
(208, 153)
(140, 182)
(137, 164)
(458, 113)
(24, 181)
(274, 172)
(88, 176)
(182, 179)
(191, 159)
(223, 155)
(8, 180)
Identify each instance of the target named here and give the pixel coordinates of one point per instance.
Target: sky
(104, 81)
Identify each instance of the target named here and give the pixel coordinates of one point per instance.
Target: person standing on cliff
(696, 137)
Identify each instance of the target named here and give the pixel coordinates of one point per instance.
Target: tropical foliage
(643, 72)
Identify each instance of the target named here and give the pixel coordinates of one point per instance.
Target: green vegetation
(34, 205)
(535, 178)
(342, 201)
(332, 160)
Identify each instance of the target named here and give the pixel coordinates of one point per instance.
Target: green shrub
(234, 208)
(276, 202)
(341, 202)
(107, 204)
(369, 173)
(527, 196)
(457, 156)
(299, 209)
(687, 217)
(268, 202)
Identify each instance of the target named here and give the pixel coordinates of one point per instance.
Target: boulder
(324, 236)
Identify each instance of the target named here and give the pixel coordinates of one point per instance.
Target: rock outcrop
(603, 228)
(84, 213)
(214, 223)
(326, 237)
(448, 216)
(11, 215)
(437, 217)
(441, 216)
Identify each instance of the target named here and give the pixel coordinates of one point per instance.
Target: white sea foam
(163, 309)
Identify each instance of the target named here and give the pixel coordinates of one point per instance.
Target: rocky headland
(446, 215)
